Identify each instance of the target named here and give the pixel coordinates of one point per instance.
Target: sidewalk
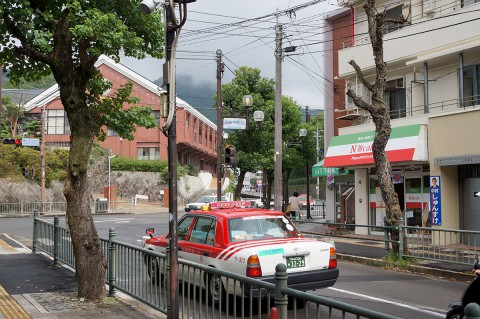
(30, 287)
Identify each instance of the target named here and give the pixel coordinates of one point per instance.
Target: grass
(395, 262)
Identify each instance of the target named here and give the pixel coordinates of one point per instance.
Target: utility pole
(307, 120)
(318, 160)
(277, 176)
(1, 104)
(220, 69)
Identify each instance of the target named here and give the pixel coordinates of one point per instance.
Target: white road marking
(114, 220)
(433, 313)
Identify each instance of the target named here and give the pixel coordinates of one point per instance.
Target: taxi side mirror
(150, 232)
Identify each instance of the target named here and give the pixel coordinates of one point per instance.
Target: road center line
(433, 313)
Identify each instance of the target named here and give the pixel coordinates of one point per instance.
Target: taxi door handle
(206, 253)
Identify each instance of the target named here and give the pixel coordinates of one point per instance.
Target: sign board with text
(30, 142)
(234, 123)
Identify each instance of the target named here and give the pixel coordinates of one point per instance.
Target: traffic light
(230, 156)
(12, 141)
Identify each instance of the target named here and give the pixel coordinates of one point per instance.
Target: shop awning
(407, 143)
(319, 170)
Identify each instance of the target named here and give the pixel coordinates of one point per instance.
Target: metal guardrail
(143, 274)
(59, 208)
(445, 245)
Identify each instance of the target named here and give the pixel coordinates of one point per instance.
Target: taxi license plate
(296, 262)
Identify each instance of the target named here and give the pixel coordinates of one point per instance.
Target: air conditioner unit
(428, 7)
(360, 90)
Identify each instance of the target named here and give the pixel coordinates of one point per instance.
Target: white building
(433, 91)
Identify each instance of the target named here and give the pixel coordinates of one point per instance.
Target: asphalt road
(401, 294)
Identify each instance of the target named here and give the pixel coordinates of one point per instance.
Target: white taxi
(251, 242)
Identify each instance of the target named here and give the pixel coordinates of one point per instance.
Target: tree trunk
(286, 178)
(87, 248)
(238, 188)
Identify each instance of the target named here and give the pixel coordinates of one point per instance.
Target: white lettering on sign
(30, 142)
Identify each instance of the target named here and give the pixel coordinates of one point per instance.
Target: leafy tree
(380, 113)
(66, 38)
(255, 145)
(11, 114)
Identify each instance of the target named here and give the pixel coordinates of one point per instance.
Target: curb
(417, 269)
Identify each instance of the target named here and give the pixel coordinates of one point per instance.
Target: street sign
(234, 123)
(30, 142)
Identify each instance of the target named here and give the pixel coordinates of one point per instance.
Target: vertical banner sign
(435, 201)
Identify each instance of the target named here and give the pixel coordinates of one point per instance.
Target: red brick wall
(342, 37)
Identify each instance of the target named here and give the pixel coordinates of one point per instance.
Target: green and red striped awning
(407, 143)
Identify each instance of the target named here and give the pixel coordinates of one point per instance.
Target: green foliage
(34, 128)
(134, 165)
(255, 146)
(13, 159)
(396, 262)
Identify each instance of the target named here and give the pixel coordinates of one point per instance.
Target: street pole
(307, 120)
(170, 44)
(277, 176)
(318, 160)
(220, 68)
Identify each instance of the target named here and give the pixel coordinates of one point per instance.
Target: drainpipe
(425, 87)
(460, 73)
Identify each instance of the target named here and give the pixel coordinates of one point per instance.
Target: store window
(57, 122)
(156, 116)
(148, 153)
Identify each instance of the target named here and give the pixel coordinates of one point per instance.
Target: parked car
(250, 242)
(302, 199)
(202, 201)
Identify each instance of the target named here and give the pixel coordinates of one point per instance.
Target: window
(393, 13)
(183, 227)
(200, 128)
(211, 137)
(194, 130)
(156, 116)
(466, 3)
(111, 133)
(148, 153)
(203, 232)
(471, 85)
(57, 122)
(187, 120)
(395, 98)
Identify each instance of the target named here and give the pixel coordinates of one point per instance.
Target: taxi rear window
(260, 227)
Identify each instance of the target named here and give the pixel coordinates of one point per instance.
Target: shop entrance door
(471, 204)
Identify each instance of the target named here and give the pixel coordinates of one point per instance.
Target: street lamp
(303, 134)
(109, 181)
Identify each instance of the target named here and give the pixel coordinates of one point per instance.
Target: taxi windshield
(209, 199)
(260, 227)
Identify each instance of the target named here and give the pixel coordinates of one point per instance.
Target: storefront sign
(406, 143)
(435, 201)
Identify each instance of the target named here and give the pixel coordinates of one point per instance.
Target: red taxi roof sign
(231, 204)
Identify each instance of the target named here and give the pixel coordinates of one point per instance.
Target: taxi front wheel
(153, 270)
(216, 291)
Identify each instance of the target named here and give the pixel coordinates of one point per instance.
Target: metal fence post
(169, 281)
(386, 230)
(112, 274)
(400, 238)
(472, 311)
(281, 300)
(56, 240)
(34, 240)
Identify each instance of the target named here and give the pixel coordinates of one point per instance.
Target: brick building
(196, 134)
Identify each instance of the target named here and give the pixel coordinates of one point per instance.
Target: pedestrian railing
(445, 245)
(205, 292)
(316, 210)
(59, 208)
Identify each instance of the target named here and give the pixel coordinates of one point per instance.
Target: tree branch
(26, 49)
(360, 75)
(359, 102)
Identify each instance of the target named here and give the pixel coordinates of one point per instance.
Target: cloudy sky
(245, 32)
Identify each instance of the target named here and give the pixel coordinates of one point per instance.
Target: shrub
(134, 165)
